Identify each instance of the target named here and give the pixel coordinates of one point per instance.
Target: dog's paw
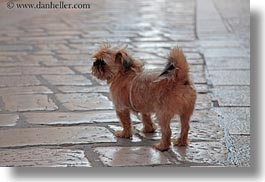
(123, 134)
(150, 129)
(180, 143)
(160, 147)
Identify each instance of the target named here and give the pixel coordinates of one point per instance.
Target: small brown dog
(166, 94)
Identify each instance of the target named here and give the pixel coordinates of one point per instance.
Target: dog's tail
(177, 65)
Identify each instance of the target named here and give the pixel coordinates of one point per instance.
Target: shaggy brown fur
(166, 94)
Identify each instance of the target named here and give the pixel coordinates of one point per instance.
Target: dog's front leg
(125, 119)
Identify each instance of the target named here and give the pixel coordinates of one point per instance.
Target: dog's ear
(124, 59)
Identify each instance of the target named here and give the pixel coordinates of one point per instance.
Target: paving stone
(232, 77)
(203, 101)
(232, 96)
(228, 63)
(86, 64)
(208, 18)
(154, 67)
(131, 156)
(75, 56)
(204, 116)
(15, 47)
(84, 69)
(8, 119)
(37, 58)
(146, 56)
(201, 88)
(25, 90)
(219, 43)
(198, 78)
(35, 70)
(84, 101)
(26, 63)
(80, 89)
(199, 131)
(213, 153)
(43, 157)
(154, 45)
(235, 119)
(67, 79)
(225, 52)
(16, 137)
(223, 45)
(195, 61)
(28, 102)
(241, 152)
(134, 138)
(15, 81)
(196, 68)
(53, 118)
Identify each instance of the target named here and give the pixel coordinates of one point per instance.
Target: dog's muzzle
(99, 64)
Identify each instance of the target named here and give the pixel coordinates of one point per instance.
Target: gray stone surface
(214, 153)
(70, 118)
(67, 79)
(8, 119)
(131, 156)
(134, 138)
(230, 77)
(198, 131)
(80, 89)
(54, 136)
(236, 119)
(35, 70)
(14, 81)
(241, 152)
(203, 101)
(232, 96)
(28, 102)
(43, 157)
(228, 63)
(225, 52)
(25, 90)
(84, 101)
(53, 59)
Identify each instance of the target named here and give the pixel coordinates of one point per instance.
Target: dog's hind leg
(185, 126)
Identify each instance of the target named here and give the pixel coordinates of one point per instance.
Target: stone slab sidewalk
(54, 113)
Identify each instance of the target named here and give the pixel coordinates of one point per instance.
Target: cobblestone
(202, 152)
(199, 132)
(53, 112)
(70, 118)
(80, 89)
(34, 70)
(14, 81)
(131, 156)
(229, 77)
(43, 157)
(236, 124)
(28, 103)
(78, 101)
(19, 137)
(232, 96)
(8, 119)
(25, 90)
(67, 79)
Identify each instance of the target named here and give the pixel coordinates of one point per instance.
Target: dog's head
(108, 62)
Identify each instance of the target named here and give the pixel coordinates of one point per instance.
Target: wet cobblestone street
(54, 113)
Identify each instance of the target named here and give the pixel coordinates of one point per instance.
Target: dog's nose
(95, 63)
